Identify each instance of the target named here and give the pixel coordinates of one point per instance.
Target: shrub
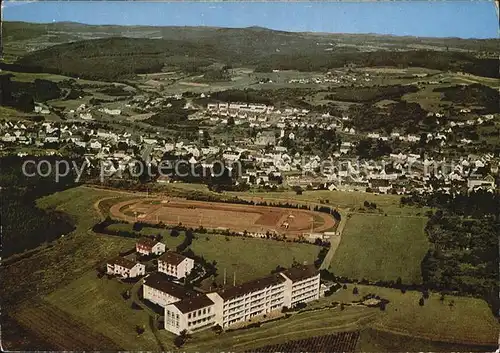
(135, 306)
(140, 329)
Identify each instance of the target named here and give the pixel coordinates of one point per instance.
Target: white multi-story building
(175, 265)
(301, 285)
(191, 314)
(239, 303)
(125, 268)
(159, 290)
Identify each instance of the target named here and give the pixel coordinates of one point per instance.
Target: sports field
(213, 215)
(378, 247)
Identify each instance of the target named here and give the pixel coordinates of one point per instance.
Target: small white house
(125, 268)
(147, 246)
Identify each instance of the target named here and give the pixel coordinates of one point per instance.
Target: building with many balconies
(240, 303)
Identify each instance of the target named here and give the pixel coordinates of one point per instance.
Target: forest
(401, 115)
(370, 94)
(117, 58)
(22, 95)
(474, 94)
(25, 226)
(463, 232)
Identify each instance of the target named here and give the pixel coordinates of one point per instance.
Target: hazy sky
(446, 18)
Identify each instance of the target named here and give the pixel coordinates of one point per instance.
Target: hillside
(116, 52)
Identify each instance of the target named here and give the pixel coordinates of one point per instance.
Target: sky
(446, 18)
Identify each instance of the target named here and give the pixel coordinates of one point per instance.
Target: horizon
(399, 19)
(247, 27)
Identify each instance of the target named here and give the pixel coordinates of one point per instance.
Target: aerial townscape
(234, 188)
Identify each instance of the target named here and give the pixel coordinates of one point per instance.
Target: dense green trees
(25, 226)
(402, 115)
(463, 257)
(474, 94)
(370, 94)
(117, 57)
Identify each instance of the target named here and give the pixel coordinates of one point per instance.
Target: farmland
(99, 304)
(255, 219)
(340, 342)
(381, 248)
(56, 327)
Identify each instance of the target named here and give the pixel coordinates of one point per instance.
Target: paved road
(334, 243)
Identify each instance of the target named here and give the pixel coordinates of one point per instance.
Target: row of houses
(170, 263)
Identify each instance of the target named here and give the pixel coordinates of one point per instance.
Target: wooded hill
(115, 55)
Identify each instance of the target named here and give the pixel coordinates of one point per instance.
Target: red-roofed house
(147, 246)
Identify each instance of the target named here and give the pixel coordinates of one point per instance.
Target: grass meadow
(381, 248)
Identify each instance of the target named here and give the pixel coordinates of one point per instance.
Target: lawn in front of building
(381, 248)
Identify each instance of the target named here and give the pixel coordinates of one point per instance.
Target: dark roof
(147, 242)
(121, 261)
(161, 282)
(194, 303)
(379, 183)
(172, 258)
(301, 272)
(252, 286)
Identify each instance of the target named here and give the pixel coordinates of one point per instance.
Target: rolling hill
(115, 52)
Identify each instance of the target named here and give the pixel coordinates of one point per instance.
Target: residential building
(175, 265)
(125, 268)
(147, 246)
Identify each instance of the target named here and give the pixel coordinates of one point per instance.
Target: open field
(349, 201)
(403, 313)
(299, 326)
(435, 320)
(250, 258)
(99, 304)
(371, 340)
(381, 248)
(212, 215)
(54, 325)
(169, 241)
